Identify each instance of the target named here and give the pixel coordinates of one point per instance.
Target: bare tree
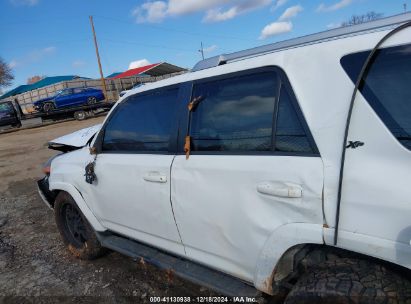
(358, 19)
(6, 75)
(34, 79)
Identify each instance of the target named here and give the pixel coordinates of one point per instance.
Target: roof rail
(304, 40)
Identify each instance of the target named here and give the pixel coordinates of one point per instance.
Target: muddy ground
(34, 264)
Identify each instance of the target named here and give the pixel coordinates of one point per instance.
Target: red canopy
(136, 71)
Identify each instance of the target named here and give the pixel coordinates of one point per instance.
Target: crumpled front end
(66, 143)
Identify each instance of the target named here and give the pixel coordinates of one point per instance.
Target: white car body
(240, 214)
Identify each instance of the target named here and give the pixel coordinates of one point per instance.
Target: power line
(146, 45)
(47, 43)
(163, 28)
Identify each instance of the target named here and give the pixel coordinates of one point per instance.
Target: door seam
(172, 208)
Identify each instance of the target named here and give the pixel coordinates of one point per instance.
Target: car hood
(75, 140)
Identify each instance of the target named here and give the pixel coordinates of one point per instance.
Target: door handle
(280, 189)
(155, 177)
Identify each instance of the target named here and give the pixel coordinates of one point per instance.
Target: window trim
(98, 144)
(283, 82)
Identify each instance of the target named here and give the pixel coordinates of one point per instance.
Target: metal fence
(114, 87)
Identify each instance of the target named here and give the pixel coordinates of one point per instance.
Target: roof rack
(305, 40)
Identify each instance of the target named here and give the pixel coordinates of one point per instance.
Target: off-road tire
(350, 281)
(48, 106)
(85, 245)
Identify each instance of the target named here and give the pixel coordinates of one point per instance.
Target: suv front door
(132, 193)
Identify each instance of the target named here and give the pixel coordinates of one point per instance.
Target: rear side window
(386, 87)
(247, 113)
(290, 135)
(142, 123)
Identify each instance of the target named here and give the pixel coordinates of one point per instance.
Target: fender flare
(281, 240)
(76, 195)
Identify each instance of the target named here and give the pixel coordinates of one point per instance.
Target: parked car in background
(8, 115)
(69, 98)
(122, 93)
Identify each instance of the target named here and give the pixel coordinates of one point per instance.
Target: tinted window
(66, 92)
(290, 134)
(142, 123)
(386, 86)
(235, 114)
(6, 108)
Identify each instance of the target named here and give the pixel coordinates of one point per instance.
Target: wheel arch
(78, 198)
(299, 259)
(275, 260)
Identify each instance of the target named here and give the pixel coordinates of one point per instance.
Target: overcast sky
(49, 37)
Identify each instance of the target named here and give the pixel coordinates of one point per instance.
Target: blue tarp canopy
(37, 85)
(113, 74)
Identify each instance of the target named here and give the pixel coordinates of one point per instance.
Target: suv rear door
(132, 192)
(253, 167)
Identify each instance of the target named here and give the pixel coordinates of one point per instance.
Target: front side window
(66, 92)
(386, 87)
(142, 123)
(247, 113)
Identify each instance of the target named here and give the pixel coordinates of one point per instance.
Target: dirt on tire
(346, 281)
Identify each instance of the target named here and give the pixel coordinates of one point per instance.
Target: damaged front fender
(75, 140)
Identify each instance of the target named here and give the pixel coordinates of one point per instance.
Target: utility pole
(405, 7)
(103, 82)
(201, 50)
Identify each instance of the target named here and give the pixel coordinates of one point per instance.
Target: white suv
(284, 169)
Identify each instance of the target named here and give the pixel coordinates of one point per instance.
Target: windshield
(5, 108)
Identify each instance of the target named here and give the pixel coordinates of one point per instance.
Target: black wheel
(91, 100)
(350, 281)
(75, 230)
(80, 115)
(48, 106)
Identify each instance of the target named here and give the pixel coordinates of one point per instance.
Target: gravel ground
(34, 264)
